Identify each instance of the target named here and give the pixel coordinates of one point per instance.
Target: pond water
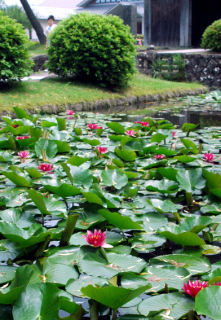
(203, 111)
(154, 197)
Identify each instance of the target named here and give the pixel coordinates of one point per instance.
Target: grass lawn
(36, 48)
(31, 94)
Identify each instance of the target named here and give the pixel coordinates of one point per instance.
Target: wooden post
(185, 23)
(147, 22)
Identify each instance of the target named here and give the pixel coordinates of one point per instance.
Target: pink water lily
(22, 137)
(209, 156)
(45, 167)
(23, 154)
(101, 149)
(96, 239)
(70, 112)
(143, 123)
(92, 126)
(159, 156)
(130, 133)
(174, 133)
(193, 288)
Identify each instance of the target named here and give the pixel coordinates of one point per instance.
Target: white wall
(44, 24)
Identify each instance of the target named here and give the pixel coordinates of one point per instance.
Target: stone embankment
(116, 105)
(203, 68)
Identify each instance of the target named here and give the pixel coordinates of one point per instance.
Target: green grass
(32, 94)
(36, 49)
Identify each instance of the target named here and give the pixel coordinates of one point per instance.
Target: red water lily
(130, 133)
(209, 156)
(159, 156)
(23, 154)
(96, 239)
(192, 288)
(70, 112)
(174, 133)
(22, 137)
(15, 125)
(45, 167)
(101, 149)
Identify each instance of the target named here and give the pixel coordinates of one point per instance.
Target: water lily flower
(70, 112)
(15, 125)
(174, 133)
(93, 126)
(130, 133)
(22, 137)
(101, 149)
(159, 156)
(217, 284)
(143, 123)
(209, 156)
(45, 167)
(192, 288)
(96, 239)
(23, 154)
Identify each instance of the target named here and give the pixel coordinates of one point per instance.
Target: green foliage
(16, 12)
(211, 38)
(14, 57)
(171, 69)
(94, 48)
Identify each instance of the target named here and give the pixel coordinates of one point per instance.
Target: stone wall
(203, 68)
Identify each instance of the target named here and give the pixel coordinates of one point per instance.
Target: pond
(151, 189)
(205, 111)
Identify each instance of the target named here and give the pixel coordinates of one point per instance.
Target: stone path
(184, 51)
(37, 76)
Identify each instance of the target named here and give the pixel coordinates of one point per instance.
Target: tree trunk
(34, 21)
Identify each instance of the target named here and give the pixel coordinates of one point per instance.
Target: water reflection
(205, 119)
(205, 116)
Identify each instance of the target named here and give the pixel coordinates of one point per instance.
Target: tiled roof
(71, 4)
(104, 8)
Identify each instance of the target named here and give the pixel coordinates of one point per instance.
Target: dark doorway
(139, 27)
(204, 13)
(165, 23)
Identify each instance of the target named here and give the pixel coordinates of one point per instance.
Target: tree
(34, 21)
(15, 12)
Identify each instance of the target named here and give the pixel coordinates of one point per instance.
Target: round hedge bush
(93, 48)
(211, 38)
(14, 55)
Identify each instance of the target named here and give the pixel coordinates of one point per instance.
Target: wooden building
(174, 23)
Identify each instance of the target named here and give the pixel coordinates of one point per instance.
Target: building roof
(70, 4)
(59, 13)
(98, 8)
(106, 8)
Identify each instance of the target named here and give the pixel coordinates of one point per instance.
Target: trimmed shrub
(94, 48)
(211, 38)
(14, 56)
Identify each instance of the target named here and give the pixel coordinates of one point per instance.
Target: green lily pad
(194, 265)
(174, 305)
